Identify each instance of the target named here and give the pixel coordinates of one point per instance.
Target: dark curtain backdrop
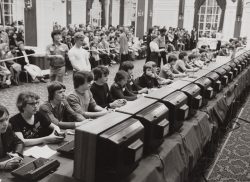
(222, 4)
(197, 5)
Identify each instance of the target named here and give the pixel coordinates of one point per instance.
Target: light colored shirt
(81, 102)
(154, 46)
(79, 59)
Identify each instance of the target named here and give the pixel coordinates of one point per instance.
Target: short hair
(99, 71)
(191, 56)
(78, 35)
(163, 30)
(55, 32)
(80, 77)
(23, 99)
(146, 66)
(172, 58)
(4, 113)
(53, 87)
(120, 75)
(182, 54)
(127, 65)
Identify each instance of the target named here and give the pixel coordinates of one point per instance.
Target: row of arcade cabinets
(109, 148)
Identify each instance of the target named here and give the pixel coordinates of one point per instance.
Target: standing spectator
(149, 39)
(56, 53)
(78, 56)
(123, 40)
(160, 40)
(193, 39)
(155, 51)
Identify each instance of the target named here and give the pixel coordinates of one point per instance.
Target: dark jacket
(146, 81)
(11, 143)
(21, 60)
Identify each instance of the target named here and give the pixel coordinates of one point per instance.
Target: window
(209, 17)
(7, 13)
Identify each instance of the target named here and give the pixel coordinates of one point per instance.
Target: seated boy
(118, 89)
(10, 144)
(148, 79)
(81, 99)
(30, 125)
(131, 85)
(100, 89)
(168, 71)
(58, 111)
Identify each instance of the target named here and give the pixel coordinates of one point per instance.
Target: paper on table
(38, 151)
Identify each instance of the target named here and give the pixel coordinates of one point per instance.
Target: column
(89, 6)
(110, 12)
(237, 25)
(150, 13)
(140, 18)
(181, 13)
(68, 12)
(121, 21)
(30, 23)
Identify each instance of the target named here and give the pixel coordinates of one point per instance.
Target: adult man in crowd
(56, 53)
(78, 56)
(123, 40)
(160, 40)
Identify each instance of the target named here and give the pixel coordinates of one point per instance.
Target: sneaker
(42, 80)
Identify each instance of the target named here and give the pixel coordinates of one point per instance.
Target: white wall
(245, 29)
(229, 20)
(18, 10)
(48, 11)
(115, 12)
(189, 15)
(78, 11)
(165, 13)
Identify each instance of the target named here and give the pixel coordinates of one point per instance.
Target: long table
(179, 152)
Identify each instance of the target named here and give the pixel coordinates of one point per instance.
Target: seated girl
(30, 125)
(11, 147)
(118, 89)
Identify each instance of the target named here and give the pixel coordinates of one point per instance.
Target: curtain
(197, 6)
(222, 4)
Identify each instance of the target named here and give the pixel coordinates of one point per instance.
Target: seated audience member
(119, 90)
(30, 125)
(131, 85)
(57, 109)
(148, 79)
(81, 99)
(34, 71)
(195, 61)
(223, 51)
(156, 71)
(100, 89)
(10, 144)
(168, 71)
(181, 64)
(5, 74)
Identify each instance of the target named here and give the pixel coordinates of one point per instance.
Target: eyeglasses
(33, 103)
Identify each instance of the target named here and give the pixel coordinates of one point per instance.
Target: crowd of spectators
(91, 97)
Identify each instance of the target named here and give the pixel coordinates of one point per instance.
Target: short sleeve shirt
(40, 128)
(166, 72)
